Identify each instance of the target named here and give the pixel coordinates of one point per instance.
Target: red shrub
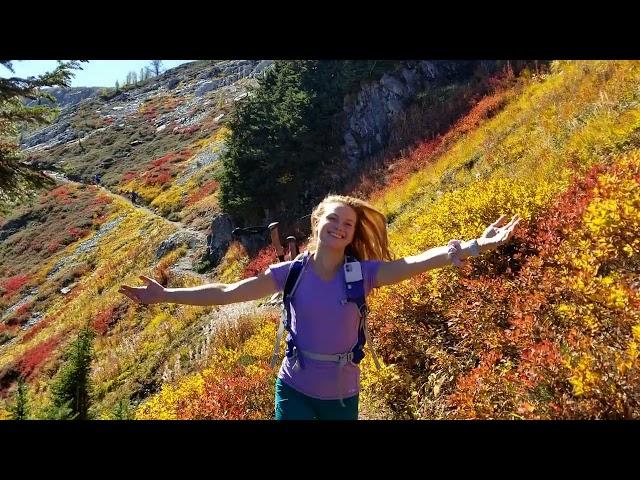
(232, 397)
(187, 130)
(493, 328)
(169, 157)
(158, 177)
(31, 360)
(14, 284)
(24, 308)
(118, 311)
(77, 233)
(259, 264)
(204, 191)
(128, 176)
(53, 247)
(60, 192)
(102, 200)
(103, 321)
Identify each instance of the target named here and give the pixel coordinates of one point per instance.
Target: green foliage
(283, 134)
(71, 389)
(20, 409)
(203, 266)
(14, 114)
(122, 410)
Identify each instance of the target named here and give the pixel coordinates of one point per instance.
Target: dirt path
(186, 264)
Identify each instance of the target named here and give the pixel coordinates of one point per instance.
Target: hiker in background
(324, 312)
(97, 179)
(134, 197)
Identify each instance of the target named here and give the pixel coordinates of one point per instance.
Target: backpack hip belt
(340, 358)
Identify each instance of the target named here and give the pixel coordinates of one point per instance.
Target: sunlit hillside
(546, 327)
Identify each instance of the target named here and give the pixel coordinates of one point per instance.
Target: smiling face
(336, 225)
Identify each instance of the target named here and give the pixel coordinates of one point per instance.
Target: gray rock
(181, 237)
(23, 301)
(66, 97)
(60, 131)
(207, 87)
(220, 237)
(393, 84)
(351, 146)
(35, 318)
(261, 67)
(370, 113)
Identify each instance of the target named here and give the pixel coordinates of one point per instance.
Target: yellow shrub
(232, 265)
(163, 405)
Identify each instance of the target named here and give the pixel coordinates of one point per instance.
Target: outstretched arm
(496, 234)
(209, 294)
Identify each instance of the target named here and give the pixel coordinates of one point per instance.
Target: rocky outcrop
(369, 113)
(54, 134)
(66, 97)
(191, 81)
(219, 238)
(181, 237)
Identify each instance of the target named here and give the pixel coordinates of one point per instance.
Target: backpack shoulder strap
(293, 277)
(356, 294)
(290, 286)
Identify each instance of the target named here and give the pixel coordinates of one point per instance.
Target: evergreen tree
(285, 133)
(122, 410)
(71, 388)
(20, 408)
(257, 171)
(16, 178)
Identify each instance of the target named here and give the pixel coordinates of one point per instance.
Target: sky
(96, 73)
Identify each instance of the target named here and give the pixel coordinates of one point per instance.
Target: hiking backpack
(355, 293)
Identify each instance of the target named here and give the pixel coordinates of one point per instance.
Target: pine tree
(20, 409)
(16, 177)
(284, 134)
(122, 410)
(71, 388)
(265, 146)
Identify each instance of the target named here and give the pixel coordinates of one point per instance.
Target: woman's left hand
(498, 233)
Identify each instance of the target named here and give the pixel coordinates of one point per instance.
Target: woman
(310, 384)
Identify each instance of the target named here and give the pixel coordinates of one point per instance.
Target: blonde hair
(370, 241)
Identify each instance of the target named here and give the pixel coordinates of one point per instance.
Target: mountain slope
(546, 327)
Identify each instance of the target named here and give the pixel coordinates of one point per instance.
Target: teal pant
(293, 405)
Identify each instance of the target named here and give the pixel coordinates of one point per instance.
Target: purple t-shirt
(323, 325)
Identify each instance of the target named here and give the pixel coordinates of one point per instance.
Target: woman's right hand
(152, 292)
